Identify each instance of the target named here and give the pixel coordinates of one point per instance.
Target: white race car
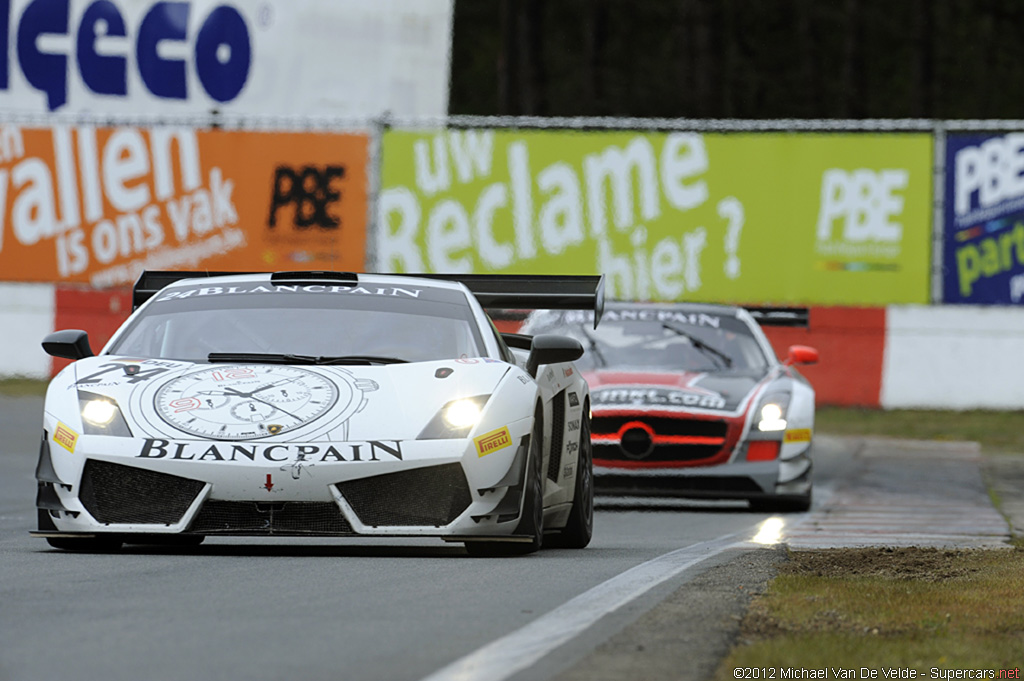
(321, 404)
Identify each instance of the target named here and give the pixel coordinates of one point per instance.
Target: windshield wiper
(699, 344)
(593, 346)
(284, 358)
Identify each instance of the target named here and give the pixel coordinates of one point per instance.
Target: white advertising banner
(337, 58)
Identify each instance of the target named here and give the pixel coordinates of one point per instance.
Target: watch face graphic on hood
(251, 402)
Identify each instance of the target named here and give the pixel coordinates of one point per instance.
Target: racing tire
(531, 521)
(579, 528)
(793, 504)
(86, 545)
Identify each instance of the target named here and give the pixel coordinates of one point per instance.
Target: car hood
(201, 401)
(719, 392)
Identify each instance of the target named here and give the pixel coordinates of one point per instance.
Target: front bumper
(126, 486)
(739, 479)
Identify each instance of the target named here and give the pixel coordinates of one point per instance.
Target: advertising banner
(803, 218)
(344, 58)
(983, 230)
(99, 205)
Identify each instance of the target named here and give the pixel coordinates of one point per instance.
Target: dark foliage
(943, 59)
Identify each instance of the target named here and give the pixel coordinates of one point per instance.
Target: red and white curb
(907, 493)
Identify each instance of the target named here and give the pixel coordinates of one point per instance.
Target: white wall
(26, 316)
(953, 357)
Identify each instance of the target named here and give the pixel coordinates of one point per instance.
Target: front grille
(557, 426)
(113, 493)
(653, 442)
(658, 453)
(662, 425)
(430, 496)
(260, 518)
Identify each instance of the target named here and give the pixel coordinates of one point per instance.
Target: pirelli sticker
(65, 437)
(492, 441)
(798, 435)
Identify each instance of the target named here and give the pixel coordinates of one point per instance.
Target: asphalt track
(361, 610)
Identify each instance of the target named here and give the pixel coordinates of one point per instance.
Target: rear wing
(495, 291)
(780, 316)
(534, 291)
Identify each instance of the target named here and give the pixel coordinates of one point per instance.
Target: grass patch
(917, 608)
(996, 431)
(22, 387)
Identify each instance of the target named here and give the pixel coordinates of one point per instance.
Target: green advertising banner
(769, 218)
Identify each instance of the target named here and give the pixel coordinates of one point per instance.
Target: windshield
(718, 343)
(283, 320)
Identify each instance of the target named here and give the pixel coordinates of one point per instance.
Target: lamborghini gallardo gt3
(325, 404)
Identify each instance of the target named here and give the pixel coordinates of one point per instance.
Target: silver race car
(321, 404)
(690, 400)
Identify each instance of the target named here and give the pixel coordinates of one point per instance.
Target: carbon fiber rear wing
(494, 291)
(780, 316)
(534, 291)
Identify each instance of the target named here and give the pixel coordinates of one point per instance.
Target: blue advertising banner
(984, 219)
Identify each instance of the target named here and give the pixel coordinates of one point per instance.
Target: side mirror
(552, 349)
(68, 344)
(801, 354)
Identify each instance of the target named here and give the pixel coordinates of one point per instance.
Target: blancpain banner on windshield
(345, 58)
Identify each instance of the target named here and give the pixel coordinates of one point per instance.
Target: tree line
(753, 59)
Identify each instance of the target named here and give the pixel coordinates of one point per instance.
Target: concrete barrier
(26, 315)
(953, 357)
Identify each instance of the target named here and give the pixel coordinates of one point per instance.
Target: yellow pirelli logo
(65, 437)
(798, 435)
(492, 441)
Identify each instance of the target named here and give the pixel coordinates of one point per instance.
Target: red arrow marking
(270, 483)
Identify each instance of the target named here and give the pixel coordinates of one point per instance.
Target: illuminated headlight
(462, 413)
(99, 412)
(101, 415)
(772, 416)
(455, 419)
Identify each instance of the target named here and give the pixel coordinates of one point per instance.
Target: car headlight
(772, 415)
(462, 413)
(101, 415)
(455, 419)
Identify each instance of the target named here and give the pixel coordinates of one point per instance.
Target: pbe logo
(992, 171)
(864, 203)
(102, 48)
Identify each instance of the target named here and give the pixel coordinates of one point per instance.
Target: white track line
(506, 656)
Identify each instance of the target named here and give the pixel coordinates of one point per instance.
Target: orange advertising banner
(99, 205)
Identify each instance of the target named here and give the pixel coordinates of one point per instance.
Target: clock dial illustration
(245, 402)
